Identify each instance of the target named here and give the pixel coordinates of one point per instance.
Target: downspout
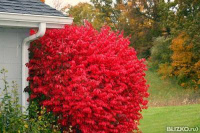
(25, 59)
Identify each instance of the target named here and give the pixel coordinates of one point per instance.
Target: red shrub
(91, 80)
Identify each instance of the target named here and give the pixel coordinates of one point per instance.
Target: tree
(86, 12)
(141, 21)
(186, 20)
(109, 14)
(181, 20)
(61, 5)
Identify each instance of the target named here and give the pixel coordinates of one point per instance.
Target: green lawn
(156, 119)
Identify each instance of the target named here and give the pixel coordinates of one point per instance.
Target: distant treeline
(165, 32)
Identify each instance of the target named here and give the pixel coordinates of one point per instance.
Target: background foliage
(163, 31)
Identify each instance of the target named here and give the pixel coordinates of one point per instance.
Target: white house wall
(10, 54)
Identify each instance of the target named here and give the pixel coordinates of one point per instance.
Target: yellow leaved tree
(184, 67)
(182, 55)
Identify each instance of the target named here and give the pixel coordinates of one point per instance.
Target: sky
(71, 2)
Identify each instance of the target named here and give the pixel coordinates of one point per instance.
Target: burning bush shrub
(92, 81)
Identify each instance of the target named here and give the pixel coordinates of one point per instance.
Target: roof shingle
(33, 7)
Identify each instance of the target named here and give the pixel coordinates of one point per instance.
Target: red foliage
(91, 80)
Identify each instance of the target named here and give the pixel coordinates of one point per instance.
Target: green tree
(109, 12)
(85, 11)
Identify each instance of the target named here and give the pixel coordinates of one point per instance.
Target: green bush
(12, 120)
(160, 52)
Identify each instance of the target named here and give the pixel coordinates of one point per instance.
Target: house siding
(11, 55)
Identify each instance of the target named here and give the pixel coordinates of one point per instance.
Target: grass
(157, 119)
(168, 92)
(170, 105)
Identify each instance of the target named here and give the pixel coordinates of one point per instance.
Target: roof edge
(15, 17)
